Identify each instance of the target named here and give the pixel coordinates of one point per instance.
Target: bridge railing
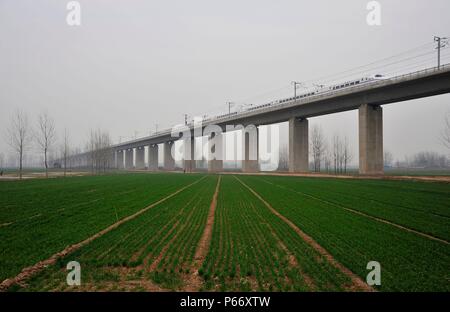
(296, 102)
(347, 90)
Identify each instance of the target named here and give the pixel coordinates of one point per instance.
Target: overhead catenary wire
(354, 71)
(388, 66)
(418, 48)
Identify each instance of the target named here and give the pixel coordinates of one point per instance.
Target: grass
(420, 206)
(156, 239)
(42, 217)
(251, 247)
(409, 262)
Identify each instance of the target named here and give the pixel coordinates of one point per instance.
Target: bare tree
(100, 152)
(342, 154)
(337, 152)
(2, 162)
(388, 159)
(327, 159)
(445, 135)
(19, 136)
(317, 146)
(65, 150)
(283, 160)
(45, 136)
(347, 154)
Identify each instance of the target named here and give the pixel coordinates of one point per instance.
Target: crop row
(157, 246)
(252, 249)
(408, 262)
(42, 217)
(396, 201)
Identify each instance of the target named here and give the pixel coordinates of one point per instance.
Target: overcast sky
(134, 64)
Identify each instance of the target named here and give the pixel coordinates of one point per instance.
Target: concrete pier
(153, 157)
(189, 155)
(129, 164)
(298, 145)
(120, 158)
(215, 153)
(169, 162)
(371, 139)
(140, 157)
(250, 154)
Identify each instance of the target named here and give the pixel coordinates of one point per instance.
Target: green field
(230, 232)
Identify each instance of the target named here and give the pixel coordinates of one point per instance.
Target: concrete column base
(250, 166)
(189, 155)
(119, 160)
(250, 151)
(371, 140)
(153, 157)
(169, 162)
(189, 165)
(129, 159)
(215, 165)
(140, 158)
(215, 150)
(298, 145)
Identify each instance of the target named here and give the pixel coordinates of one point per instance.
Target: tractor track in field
(293, 261)
(174, 221)
(194, 282)
(357, 282)
(154, 265)
(27, 272)
(360, 213)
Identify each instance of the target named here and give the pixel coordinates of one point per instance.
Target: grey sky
(133, 64)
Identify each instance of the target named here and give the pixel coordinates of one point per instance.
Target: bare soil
(194, 282)
(27, 272)
(357, 283)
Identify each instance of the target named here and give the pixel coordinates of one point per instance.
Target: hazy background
(134, 64)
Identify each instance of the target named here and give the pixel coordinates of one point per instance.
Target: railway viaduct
(367, 98)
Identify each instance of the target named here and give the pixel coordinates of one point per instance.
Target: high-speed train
(323, 89)
(319, 90)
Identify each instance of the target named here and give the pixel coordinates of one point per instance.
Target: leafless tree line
(326, 157)
(445, 135)
(424, 160)
(99, 149)
(336, 157)
(21, 136)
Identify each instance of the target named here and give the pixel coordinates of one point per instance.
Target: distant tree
(347, 155)
(284, 158)
(327, 159)
(19, 136)
(65, 151)
(338, 154)
(341, 154)
(445, 135)
(45, 136)
(99, 149)
(2, 161)
(317, 146)
(429, 160)
(388, 159)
